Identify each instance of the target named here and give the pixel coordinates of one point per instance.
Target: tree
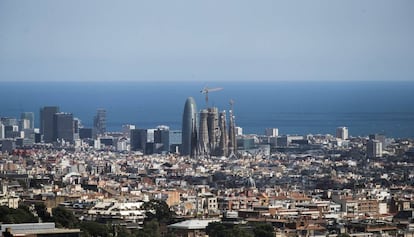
(151, 229)
(95, 229)
(263, 230)
(42, 212)
(217, 229)
(158, 210)
(64, 217)
(16, 216)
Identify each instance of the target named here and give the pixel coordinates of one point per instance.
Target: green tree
(16, 216)
(151, 229)
(95, 229)
(42, 212)
(263, 230)
(217, 229)
(158, 210)
(64, 217)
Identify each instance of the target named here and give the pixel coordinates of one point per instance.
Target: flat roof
(193, 224)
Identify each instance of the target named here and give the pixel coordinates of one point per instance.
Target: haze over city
(206, 41)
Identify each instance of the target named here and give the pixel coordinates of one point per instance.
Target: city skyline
(206, 41)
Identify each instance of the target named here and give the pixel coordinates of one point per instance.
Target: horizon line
(204, 82)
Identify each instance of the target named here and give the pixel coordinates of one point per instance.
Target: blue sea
(293, 107)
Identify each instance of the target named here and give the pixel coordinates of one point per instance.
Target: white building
(342, 133)
(272, 132)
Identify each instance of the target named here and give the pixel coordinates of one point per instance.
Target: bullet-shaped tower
(189, 128)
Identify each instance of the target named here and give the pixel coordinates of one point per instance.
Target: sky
(206, 40)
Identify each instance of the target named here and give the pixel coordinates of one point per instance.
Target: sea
(293, 107)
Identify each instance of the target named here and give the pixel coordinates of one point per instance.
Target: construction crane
(207, 90)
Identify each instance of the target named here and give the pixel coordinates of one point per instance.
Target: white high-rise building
(272, 132)
(342, 133)
(239, 131)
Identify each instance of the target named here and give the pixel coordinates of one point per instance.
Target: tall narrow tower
(189, 128)
(213, 130)
(224, 139)
(232, 131)
(204, 142)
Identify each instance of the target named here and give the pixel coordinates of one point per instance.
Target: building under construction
(213, 138)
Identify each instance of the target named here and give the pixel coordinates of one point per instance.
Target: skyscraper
(63, 127)
(342, 133)
(189, 128)
(374, 149)
(47, 122)
(138, 139)
(162, 138)
(29, 116)
(272, 132)
(99, 122)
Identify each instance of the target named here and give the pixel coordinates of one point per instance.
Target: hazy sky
(206, 40)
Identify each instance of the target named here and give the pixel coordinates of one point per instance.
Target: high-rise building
(162, 139)
(138, 139)
(272, 132)
(85, 133)
(47, 122)
(342, 133)
(189, 128)
(24, 124)
(374, 149)
(99, 122)
(126, 129)
(29, 116)
(63, 127)
(7, 121)
(379, 137)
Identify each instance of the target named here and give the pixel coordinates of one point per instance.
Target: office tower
(272, 132)
(85, 133)
(189, 128)
(99, 122)
(11, 131)
(342, 133)
(138, 139)
(175, 140)
(374, 149)
(126, 129)
(162, 139)
(9, 121)
(29, 116)
(64, 127)
(213, 130)
(47, 122)
(378, 137)
(224, 139)
(203, 134)
(24, 124)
